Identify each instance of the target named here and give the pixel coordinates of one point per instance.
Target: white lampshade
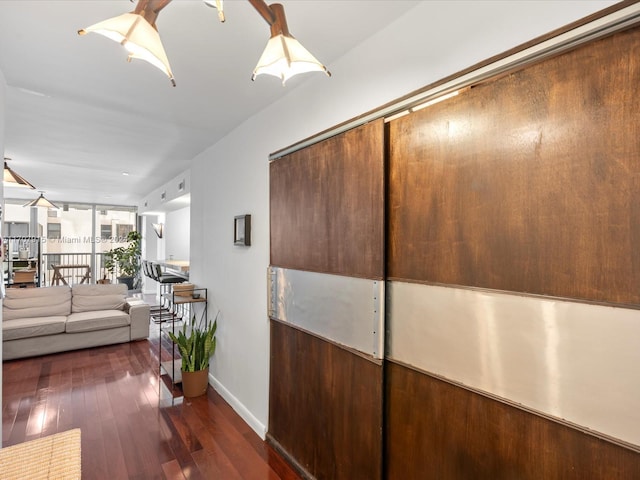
(138, 36)
(12, 179)
(40, 202)
(285, 57)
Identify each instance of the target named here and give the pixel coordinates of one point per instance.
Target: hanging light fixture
(136, 31)
(284, 56)
(12, 179)
(40, 202)
(217, 4)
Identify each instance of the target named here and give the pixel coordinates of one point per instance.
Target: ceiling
(78, 115)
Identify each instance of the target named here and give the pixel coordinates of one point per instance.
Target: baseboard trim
(288, 457)
(239, 407)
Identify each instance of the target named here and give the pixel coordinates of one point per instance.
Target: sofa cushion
(98, 320)
(32, 327)
(36, 302)
(90, 298)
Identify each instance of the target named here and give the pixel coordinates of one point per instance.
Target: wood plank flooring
(132, 427)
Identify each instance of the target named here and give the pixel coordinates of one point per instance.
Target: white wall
(175, 241)
(3, 85)
(172, 195)
(177, 234)
(433, 40)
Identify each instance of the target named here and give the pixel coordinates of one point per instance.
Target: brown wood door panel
(327, 215)
(528, 183)
(327, 205)
(436, 430)
(325, 406)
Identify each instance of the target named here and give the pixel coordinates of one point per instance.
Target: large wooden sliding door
(327, 304)
(513, 209)
(509, 284)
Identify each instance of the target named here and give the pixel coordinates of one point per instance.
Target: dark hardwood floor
(132, 426)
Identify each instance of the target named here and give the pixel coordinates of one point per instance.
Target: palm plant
(195, 346)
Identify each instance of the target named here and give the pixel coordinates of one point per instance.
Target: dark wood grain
(130, 430)
(327, 205)
(325, 406)
(527, 183)
(436, 430)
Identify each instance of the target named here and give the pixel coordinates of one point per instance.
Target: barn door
(327, 305)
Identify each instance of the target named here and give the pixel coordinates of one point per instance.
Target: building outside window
(16, 229)
(122, 230)
(80, 244)
(54, 231)
(106, 231)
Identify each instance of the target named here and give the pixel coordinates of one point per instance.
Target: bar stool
(155, 309)
(145, 269)
(166, 280)
(162, 312)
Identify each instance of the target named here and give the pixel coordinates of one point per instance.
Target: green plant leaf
(125, 261)
(196, 346)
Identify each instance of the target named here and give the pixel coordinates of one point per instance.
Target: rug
(54, 457)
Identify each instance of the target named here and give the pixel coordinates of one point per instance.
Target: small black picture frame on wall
(242, 230)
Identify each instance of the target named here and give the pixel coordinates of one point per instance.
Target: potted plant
(196, 347)
(126, 260)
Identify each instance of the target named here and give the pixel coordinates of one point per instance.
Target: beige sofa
(38, 321)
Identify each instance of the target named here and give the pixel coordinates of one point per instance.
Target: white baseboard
(240, 409)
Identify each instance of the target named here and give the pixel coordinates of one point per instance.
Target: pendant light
(40, 202)
(217, 4)
(284, 56)
(137, 33)
(12, 179)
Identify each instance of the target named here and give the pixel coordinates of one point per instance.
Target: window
(16, 229)
(105, 231)
(54, 230)
(122, 230)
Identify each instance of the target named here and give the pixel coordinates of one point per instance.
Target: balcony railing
(72, 269)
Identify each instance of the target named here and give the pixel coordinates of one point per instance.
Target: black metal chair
(166, 280)
(159, 313)
(145, 269)
(147, 273)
